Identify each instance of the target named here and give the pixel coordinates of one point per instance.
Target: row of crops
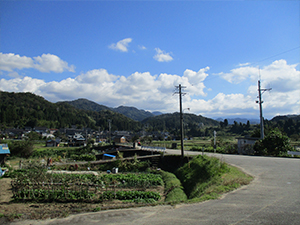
(40, 186)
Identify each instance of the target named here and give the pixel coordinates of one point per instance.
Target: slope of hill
(86, 104)
(285, 118)
(27, 109)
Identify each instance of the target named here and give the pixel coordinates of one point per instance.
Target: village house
(76, 140)
(120, 139)
(245, 145)
(52, 143)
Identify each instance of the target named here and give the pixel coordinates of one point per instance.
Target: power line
(277, 55)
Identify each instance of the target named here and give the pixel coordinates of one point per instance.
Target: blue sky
(134, 53)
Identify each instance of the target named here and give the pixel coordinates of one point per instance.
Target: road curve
(272, 198)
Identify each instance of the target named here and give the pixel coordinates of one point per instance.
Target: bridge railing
(153, 149)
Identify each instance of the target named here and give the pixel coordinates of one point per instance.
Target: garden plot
(58, 187)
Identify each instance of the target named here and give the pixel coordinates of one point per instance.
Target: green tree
(275, 143)
(21, 148)
(225, 122)
(34, 136)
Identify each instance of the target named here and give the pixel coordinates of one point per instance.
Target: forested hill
(295, 118)
(130, 112)
(133, 113)
(86, 104)
(27, 109)
(172, 121)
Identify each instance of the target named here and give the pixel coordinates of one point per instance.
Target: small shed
(120, 139)
(245, 145)
(4, 152)
(52, 143)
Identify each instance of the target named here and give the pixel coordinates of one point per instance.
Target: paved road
(272, 198)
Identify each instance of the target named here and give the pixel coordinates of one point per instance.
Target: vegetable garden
(39, 186)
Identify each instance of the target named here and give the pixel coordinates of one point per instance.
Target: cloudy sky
(134, 53)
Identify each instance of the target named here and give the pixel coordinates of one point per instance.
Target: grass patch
(205, 178)
(173, 188)
(229, 181)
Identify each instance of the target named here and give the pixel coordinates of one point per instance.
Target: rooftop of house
(4, 149)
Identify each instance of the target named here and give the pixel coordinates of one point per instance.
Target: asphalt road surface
(272, 198)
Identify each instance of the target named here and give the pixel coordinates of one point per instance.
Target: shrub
(22, 149)
(274, 144)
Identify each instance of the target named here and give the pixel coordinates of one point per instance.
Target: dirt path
(5, 191)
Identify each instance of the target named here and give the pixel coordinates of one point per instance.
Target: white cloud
(244, 64)
(141, 47)
(240, 74)
(26, 84)
(155, 92)
(51, 63)
(96, 76)
(121, 45)
(10, 61)
(196, 80)
(45, 63)
(162, 56)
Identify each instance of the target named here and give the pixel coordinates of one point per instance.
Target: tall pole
(181, 118)
(109, 129)
(181, 122)
(260, 112)
(260, 102)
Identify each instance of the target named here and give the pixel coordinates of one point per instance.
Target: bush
(22, 149)
(274, 144)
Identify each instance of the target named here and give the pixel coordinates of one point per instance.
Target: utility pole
(109, 128)
(215, 141)
(181, 117)
(260, 102)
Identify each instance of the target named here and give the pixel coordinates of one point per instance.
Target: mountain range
(27, 109)
(139, 114)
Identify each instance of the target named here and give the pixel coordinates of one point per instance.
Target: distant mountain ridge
(133, 113)
(130, 112)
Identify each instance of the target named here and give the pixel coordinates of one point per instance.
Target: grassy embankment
(203, 178)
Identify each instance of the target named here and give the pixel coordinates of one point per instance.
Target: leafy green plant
(275, 144)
